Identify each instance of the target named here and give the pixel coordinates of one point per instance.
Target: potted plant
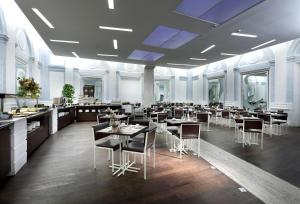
(28, 88)
(68, 92)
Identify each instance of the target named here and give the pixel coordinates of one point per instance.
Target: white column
(148, 89)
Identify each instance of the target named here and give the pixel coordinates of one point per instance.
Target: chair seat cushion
(139, 138)
(173, 128)
(253, 130)
(135, 147)
(187, 136)
(111, 143)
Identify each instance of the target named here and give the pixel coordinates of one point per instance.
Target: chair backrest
(225, 113)
(190, 130)
(121, 111)
(101, 120)
(161, 117)
(159, 109)
(202, 117)
(254, 124)
(150, 138)
(97, 127)
(264, 117)
(178, 113)
(140, 122)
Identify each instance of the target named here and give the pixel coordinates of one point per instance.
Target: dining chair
(189, 131)
(111, 144)
(100, 119)
(178, 113)
(252, 129)
(141, 148)
(203, 118)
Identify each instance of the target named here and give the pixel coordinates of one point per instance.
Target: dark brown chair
(253, 128)
(141, 148)
(189, 131)
(111, 145)
(100, 119)
(203, 118)
(178, 113)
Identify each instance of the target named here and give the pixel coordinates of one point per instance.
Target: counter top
(4, 124)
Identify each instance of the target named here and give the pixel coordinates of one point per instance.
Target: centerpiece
(114, 123)
(29, 88)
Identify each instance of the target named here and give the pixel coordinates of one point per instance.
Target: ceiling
(79, 20)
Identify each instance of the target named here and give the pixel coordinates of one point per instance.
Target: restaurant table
(118, 117)
(123, 133)
(178, 122)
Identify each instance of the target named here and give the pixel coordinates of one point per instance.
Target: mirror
(255, 91)
(215, 91)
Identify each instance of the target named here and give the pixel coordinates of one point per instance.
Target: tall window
(216, 91)
(162, 91)
(255, 90)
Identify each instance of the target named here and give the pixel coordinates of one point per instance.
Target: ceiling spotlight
(199, 59)
(111, 4)
(266, 43)
(115, 28)
(107, 55)
(75, 54)
(244, 35)
(228, 54)
(42, 17)
(115, 42)
(210, 47)
(65, 41)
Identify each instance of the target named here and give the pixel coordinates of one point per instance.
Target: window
(216, 91)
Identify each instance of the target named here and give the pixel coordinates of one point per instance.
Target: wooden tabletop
(128, 130)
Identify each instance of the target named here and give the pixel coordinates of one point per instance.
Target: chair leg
(154, 155)
(145, 166)
(262, 141)
(108, 155)
(180, 146)
(94, 158)
(112, 161)
(199, 147)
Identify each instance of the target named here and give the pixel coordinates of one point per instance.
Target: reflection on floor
(61, 171)
(279, 157)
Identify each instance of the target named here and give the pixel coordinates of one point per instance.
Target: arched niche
(254, 62)
(24, 54)
(164, 83)
(214, 71)
(3, 41)
(293, 65)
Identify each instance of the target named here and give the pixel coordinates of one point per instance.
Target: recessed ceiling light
(199, 59)
(42, 17)
(244, 35)
(115, 28)
(266, 43)
(111, 4)
(115, 42)
(210, 47)
(75, 54)
(107, 55)
(192, 65)
(228, 54)
(64, 41)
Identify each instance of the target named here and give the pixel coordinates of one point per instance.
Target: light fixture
(107, 55)
(111, 4)
(228, 54)
(244, 35)
(199, 59)
(192, 65)
(210, 47)
(75, 54)
(115, 28)
(42, 17)
(65, 41)
(266, 43)
(115, 42)
(145, 55)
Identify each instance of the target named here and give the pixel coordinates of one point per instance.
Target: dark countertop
(4, 124)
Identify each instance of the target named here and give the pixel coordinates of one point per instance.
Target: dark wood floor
(280, 155)
(61, 171)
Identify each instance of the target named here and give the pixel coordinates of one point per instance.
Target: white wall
(130, 89)
(56, 83)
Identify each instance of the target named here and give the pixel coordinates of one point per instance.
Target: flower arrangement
(28, 87)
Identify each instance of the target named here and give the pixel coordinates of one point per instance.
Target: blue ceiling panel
(145, 55)
(170, 38)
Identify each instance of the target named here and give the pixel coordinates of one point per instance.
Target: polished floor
(279, 157)
(61, 171)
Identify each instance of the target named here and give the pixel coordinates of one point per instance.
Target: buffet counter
(89, 113)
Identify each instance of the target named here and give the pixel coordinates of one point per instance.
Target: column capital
(3, 38)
